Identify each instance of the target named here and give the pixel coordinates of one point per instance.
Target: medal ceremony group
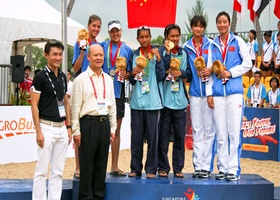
(159, 100)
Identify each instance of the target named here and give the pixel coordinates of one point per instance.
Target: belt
(101, 118)
(51, 123)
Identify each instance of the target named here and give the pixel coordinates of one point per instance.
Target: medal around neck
(112, 72)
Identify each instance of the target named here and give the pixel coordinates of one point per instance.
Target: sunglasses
(143, 28)
(114, 21)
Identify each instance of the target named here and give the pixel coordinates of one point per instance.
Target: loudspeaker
(17, 68)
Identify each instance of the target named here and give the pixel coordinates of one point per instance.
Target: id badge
(175, 87)
(255, 104)
(101, 106)
(145, 87)
(61, 108)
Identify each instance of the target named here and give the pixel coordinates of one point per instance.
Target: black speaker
(17, 68)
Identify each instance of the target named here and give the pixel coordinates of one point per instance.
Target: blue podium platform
(250, 186)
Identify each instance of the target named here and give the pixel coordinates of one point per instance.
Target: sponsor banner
(18, 136)
(260, 134)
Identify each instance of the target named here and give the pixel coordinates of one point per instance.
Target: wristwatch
(69, 126)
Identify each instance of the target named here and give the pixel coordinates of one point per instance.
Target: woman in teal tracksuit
(145, 104)
(175, 103)
(226, 98)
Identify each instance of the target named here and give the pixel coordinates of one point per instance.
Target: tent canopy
(30, 21)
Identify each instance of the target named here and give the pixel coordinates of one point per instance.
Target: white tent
(30, 21)
(24, 22)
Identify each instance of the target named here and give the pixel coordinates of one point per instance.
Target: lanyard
(90, 43)
(54, 91)
(94, 89)
(254, 88)
(142, 51)
(224, 50)
(112, 60)
(199, 50)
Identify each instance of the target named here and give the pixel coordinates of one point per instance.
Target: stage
(250, 186)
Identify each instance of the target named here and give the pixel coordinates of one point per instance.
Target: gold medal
(171, 45)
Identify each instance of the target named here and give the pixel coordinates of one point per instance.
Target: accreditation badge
(145, 87)
(101, 108)
(61, 108)
(175, 87)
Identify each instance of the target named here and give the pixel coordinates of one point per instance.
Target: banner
(260, 134)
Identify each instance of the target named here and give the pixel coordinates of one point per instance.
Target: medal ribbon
(199, 50)
(142, 50)
(224, 51)
(104, 88)
(113, 60)
(175, 50)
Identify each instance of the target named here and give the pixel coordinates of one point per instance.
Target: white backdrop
(17, 135)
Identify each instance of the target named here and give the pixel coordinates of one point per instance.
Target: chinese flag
(277, 8)
(252, 12)
(151, 13)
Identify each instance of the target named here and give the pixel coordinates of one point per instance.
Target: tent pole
(64, 34)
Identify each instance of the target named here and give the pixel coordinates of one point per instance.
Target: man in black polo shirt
(50, 108)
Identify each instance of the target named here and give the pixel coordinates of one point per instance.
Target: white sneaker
(232, 177)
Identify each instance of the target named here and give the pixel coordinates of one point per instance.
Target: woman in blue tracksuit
(227, 99)
(175, 102)
(202, 116)
(145, 104)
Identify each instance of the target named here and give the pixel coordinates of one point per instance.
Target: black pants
(93, 151)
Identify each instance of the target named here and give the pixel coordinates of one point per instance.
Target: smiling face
(144, 38)
(174, 36)
(115, 35)
(223, 24)
(94, 28)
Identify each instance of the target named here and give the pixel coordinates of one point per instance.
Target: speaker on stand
(17, 72)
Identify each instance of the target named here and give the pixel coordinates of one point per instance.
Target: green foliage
(157, 41)
(39, 61)
(198, 9)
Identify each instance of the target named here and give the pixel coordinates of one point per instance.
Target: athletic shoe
(204, 174)
(232, 177)
(221, 176)
(196, 174)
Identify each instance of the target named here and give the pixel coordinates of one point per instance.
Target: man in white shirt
(94, 123)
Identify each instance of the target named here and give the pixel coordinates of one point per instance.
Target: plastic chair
(266, 81)
(245, 81)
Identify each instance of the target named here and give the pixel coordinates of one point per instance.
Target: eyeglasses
(143, 28)
(114, 21)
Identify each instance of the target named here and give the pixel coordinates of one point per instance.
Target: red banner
(151, 13)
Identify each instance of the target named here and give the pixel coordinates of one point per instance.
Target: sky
(116, 9)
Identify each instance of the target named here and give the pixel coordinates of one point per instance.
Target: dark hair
(169, 27)
(69, 71)
(278, 33)
(143, 28)
(258, 72)
(53, 43)
(274, 78)
(267, 33)
(93, 18)
(221, 14)
(36, 71)
(27, 67)
(253, 32)
(198, 19)
(278, 23)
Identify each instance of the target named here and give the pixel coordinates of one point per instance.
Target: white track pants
(203, 133)
(227, 113)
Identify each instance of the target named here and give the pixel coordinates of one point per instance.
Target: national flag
(260, 5)
(277, 8)
(151, 13)
(252, 12)
(238, 6)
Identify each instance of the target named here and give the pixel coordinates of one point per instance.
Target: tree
(157, 41)
(198, 9)
(70, 7)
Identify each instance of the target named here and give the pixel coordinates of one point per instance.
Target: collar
(92, 73)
